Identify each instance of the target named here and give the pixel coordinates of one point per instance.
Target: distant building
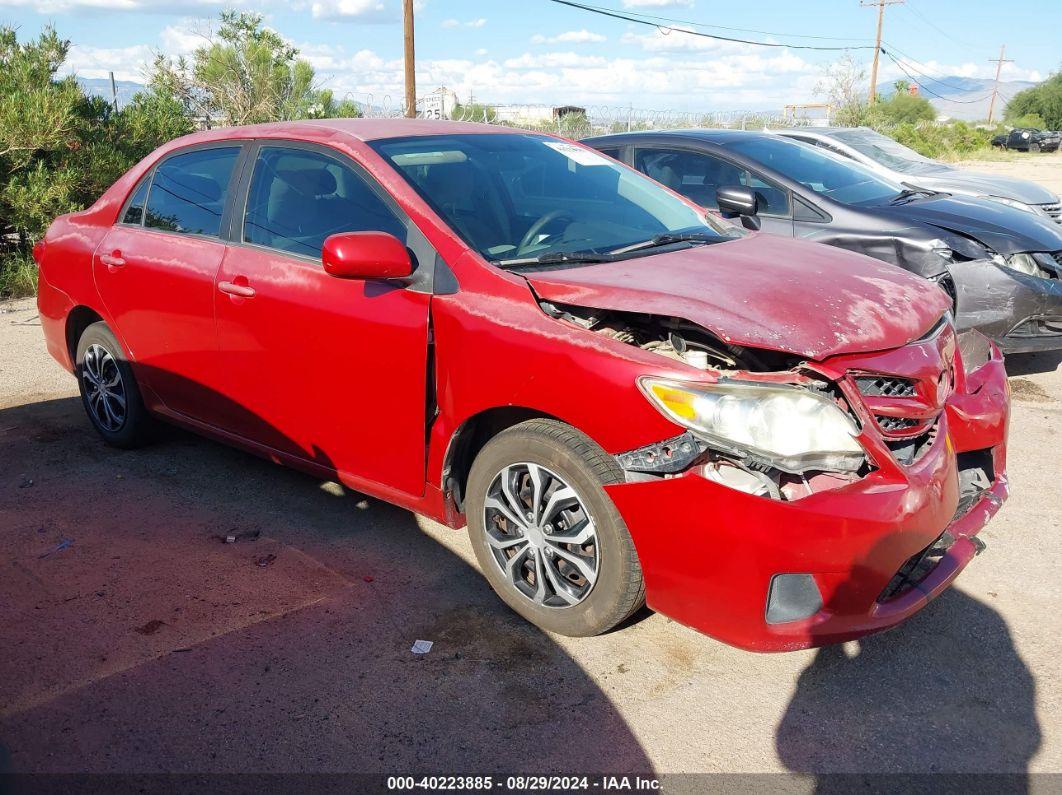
(535, 114)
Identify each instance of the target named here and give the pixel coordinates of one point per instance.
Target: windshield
(829, 175)
(518, 197)
(882, 149)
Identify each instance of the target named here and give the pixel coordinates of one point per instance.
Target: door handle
(112, 260)
(238, 290)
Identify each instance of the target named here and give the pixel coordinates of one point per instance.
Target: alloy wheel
(104, 389)
(541, 535)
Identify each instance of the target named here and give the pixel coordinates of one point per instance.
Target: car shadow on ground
(138, 640)
(1033, 363)
(917, 700)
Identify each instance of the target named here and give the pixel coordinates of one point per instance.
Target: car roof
(698, 134)
(357, 129)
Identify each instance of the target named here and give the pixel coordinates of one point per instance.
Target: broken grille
(896, 424)
(885, 386)
(916, 568)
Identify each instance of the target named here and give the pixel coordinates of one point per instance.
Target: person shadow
(944, 693)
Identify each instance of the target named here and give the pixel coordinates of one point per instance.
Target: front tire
(547, 537)
(109, 391)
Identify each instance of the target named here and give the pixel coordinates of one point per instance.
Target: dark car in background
(1029, 139)
(900, 163)
(1002, 266)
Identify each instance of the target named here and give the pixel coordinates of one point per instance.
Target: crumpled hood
(1003, 229)
(952, 179)
(762, 291)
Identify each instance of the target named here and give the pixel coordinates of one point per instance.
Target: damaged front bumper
(1021, 313)
(715, 558)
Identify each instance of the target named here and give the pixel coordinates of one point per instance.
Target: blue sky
(536, 51)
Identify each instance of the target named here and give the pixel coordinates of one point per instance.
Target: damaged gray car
(1002, 266)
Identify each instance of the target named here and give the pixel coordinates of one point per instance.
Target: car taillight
(38, 251)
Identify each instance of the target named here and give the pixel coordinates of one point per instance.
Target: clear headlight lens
(1023, 263)
(792, 428)
(1017, 205)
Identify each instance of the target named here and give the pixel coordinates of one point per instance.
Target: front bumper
(709, 553)
(1018, 311)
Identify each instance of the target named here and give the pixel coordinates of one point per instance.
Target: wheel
(109, 391)
(1034, 147)
(547, 537)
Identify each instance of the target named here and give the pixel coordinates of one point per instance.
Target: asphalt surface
(136, 640)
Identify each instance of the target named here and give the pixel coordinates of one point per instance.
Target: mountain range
(964, 98)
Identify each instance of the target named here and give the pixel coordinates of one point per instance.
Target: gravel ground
(136, 640)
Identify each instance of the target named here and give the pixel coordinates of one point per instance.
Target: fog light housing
(792, 597)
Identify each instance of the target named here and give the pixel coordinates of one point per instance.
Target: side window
(188, 191)
(134, 212)
(298, 198)
(612, 152)
(697, 176)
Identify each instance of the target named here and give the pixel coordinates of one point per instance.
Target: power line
(939, 30)
(691, 23)
(671, 29)
(914, 79)
(877, 41)
(1002, 59)
(928, 70)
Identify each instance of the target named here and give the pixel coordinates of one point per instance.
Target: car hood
(953, 180)
(762, 291)
(1003, 229)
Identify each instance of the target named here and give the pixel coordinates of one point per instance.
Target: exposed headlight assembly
(791, 428)
(1022, 263)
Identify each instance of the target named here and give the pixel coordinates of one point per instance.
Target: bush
(1043, 100)
(953, 140)
(18, 275)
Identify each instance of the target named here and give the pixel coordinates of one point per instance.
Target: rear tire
(591, 583)
(109, 391)
(1035, 148)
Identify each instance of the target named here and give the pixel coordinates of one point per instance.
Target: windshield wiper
(668, 239)
(909, 193)
(557, 257)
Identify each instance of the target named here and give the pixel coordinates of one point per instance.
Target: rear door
(698, 175)
(155, 273)
(332, 371)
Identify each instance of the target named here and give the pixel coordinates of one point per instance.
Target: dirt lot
(136, 640)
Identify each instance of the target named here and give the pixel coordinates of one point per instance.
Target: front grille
(908, 451)
(916, 568)
(885, 386)
(895, 424)
(1054, 210)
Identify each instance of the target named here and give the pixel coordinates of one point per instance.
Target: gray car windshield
(889, 153)
(519, 198)
(832, 176)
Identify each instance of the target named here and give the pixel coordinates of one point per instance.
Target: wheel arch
(470, 437)
(79, 319)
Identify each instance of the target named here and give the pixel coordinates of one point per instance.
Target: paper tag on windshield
(584, 157)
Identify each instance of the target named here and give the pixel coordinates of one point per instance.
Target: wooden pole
(995, 88)
(411, 72)
(877, 44)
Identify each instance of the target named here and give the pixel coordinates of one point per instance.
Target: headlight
(1023, 263)
(792, 428)
(1017, 205)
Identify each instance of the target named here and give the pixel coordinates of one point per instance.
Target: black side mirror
(737, 200)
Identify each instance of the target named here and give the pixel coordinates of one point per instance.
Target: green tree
(1043, 100)
(246, 74)
(903, 107)
(60, 149)
(474, 111)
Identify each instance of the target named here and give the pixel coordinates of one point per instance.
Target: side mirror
(740, 201)
(366, 255)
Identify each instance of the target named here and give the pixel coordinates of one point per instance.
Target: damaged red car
(778, 443)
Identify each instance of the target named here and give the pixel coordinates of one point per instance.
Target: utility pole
(411, 69)
(877, 44)
(114, 92)
(1002, 59)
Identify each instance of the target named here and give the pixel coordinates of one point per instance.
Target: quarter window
(697, 176)
(134, 213)
(298, 198)
(188, 191)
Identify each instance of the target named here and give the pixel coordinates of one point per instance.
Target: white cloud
(456, 23)
(569, 37)
(356, 10)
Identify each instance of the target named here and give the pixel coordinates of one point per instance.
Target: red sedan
(778, 443)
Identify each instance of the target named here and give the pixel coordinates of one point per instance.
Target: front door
(329, 370)
(155, 273)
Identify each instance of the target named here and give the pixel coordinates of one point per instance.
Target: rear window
(188, 192)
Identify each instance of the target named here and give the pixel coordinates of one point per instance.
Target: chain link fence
(577, 121)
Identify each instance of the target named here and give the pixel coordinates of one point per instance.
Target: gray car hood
(954, 180)
(1002, 229)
